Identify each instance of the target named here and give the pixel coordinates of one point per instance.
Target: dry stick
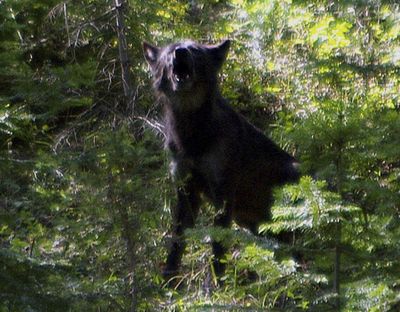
(21, 39)
(66, 23)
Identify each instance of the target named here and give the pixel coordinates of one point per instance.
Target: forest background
(85, 194)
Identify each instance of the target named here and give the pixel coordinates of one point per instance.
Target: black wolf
(215, 151)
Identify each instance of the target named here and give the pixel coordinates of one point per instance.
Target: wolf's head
(186, 72)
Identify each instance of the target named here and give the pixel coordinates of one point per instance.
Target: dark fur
(215, 151)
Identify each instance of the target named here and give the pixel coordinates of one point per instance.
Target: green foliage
(84, 191)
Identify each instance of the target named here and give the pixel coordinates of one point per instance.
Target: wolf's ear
(151, 54)
(219, 52)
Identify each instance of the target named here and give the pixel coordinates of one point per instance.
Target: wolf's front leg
(184, 216)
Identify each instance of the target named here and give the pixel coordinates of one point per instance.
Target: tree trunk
(128, 231)
(123, 54)
(336, 274)
(338, 236)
